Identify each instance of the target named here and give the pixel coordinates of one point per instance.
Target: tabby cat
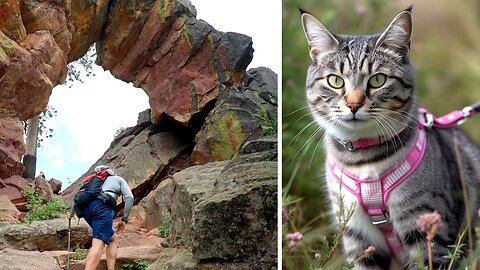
(363, 87)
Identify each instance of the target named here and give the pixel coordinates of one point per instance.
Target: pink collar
(372, 193)
(363, 143)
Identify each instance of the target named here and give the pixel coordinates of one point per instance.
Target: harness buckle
(429, 120)
(466, 114)
(380, 220)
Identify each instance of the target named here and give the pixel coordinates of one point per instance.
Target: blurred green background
(445, 52)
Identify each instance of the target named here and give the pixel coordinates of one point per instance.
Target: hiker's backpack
(90, 190)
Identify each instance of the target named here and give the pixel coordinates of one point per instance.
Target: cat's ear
(397, 35)
(320, 40)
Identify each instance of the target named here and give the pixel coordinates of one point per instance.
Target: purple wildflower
(360, 9)
(284, 215)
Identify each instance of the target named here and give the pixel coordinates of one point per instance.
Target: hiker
(99, 214)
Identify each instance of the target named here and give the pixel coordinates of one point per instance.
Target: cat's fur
(434, 185)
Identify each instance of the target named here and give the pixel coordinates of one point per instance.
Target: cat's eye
(335, 81)
(377, 80)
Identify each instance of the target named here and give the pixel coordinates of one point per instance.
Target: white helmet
(101, 168)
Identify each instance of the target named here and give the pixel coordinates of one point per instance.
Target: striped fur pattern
(350, 100)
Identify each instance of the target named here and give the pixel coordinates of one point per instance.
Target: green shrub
(136, 265)
(164, 228)
(79, 254)
(52, 209)
(33, 199)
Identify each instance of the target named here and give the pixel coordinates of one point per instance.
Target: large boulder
(43, 189)
(39, 56)
(44, 235)
(240, 115)
(56, 185)
(20, 260)
(227, 210)
(12, 147)
(53, 16)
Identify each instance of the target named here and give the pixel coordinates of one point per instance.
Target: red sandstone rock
(12, 147)
(170, 54)
(8, 212)
(12, 188)
(11, 23)
(50, 15)
(88, 18)
(56, 185)
(45, 63)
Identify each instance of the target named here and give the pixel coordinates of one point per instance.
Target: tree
(36, 129)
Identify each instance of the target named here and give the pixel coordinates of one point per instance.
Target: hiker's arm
(128, 196)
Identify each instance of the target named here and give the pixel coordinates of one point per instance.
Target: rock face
(138, 154)
(12, 147)
(240, 115)
(154, 209)
(228, 209)
(45, 235)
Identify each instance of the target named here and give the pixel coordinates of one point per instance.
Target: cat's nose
(354, 107)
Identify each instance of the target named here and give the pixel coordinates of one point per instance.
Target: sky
(90, 113)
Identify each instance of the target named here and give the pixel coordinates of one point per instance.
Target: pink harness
(372, 193)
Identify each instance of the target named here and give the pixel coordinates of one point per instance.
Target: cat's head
(361, 86)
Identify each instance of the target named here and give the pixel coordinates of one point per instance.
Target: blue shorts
(100, 217)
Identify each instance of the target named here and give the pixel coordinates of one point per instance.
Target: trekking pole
(69, 237)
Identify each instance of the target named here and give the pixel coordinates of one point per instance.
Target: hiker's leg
(112, 252)
(94, 254)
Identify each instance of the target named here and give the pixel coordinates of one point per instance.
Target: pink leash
(373, 193)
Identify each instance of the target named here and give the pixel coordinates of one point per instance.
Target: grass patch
(164, 228)
(136, 265)
(37, 211)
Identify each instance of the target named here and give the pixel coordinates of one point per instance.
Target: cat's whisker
(295, 138)
(296, 111)
(303, 116)
(305, 144)
(335, 122)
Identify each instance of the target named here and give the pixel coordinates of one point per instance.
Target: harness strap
(372, 193)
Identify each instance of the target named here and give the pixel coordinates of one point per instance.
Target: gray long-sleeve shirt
(118, 185)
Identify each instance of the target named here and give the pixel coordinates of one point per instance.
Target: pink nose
(354, 107)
